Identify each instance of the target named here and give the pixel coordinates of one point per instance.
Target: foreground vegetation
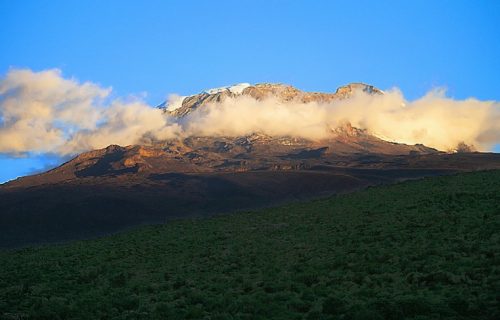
(423, 249)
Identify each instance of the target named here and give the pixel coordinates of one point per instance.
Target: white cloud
(37, 107)
(433, 120)
(44, 112)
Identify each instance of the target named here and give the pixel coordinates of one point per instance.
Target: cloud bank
(43, 112)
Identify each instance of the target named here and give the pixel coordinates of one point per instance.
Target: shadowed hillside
(112, 189)
(424, 249)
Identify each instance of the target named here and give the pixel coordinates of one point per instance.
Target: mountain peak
(180, 106)
(353, 87)
(235, 89)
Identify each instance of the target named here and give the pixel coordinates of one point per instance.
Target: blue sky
(161, 47)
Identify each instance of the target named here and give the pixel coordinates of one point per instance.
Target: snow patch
(236, 89)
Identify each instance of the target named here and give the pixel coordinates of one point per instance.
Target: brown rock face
(192, 103)
(350, 89)
(265, 90)
(282, 92)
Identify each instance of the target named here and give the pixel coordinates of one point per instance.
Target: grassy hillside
(423, 249)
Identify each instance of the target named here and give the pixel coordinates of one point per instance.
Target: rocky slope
(282, 92)
(256, 152)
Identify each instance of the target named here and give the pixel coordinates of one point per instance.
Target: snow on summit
(236, 88)
(175, 101)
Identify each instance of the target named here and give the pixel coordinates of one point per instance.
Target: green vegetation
(427, 249)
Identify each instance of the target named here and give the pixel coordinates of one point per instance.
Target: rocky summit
(281, 92)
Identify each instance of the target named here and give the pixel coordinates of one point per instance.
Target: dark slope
(108, 190)
(88, 208)
(423, 249)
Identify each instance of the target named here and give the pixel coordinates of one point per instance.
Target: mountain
(117, 187)
(256, 152)
(285, 93)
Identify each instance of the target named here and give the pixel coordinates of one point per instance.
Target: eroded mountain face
(256, 152)
(282, 92)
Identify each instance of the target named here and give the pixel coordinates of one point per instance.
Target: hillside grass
(427, 249)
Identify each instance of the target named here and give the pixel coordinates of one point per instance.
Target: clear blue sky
(162, 47)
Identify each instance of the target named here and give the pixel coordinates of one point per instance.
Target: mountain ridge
(260, 91)
(222, 154)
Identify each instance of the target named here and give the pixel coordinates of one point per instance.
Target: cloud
(124, 124)
(35, 106)
(174, 101)
(44, 112)
(433, 120)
